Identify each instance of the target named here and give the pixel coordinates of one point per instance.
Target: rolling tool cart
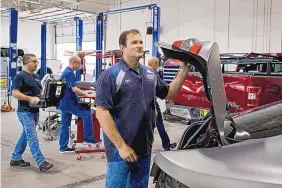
(87, 103)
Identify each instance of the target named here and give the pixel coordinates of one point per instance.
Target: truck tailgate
(265, 89)
(192, 92)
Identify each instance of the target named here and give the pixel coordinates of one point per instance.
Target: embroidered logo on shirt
(127, 81)
(151, 76)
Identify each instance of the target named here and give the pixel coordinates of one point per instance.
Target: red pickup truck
(250, 80)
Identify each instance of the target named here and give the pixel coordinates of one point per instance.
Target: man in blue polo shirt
(125, 109)
(69, 105)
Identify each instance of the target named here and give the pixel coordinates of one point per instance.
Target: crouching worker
(69, 105)
(26, 87)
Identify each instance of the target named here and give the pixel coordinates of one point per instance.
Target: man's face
(156, 66)
(32, 64)
(76, 63)
(134, 46)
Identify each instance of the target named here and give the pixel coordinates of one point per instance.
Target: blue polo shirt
(129, 97)
(70, 98)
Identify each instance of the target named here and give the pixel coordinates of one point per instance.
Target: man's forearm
(108, 125)
(80, 92)
(20, 96)
(177, 83)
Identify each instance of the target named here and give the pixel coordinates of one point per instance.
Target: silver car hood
(252, 164)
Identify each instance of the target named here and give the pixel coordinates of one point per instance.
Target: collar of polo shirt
(125, 67)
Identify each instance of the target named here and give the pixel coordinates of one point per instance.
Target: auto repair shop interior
(215, 112)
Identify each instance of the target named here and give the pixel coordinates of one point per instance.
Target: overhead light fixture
(32, 2)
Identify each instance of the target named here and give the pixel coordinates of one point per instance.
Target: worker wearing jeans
(125, 109)
(69, 105)
(154, 64)
(162, 132)
(26, 87)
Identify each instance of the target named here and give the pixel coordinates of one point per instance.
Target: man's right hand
(127, 153)
(34, 100)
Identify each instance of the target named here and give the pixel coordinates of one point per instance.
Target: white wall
(252, 26)
(116, 23)
(29, 37)
(65, 32)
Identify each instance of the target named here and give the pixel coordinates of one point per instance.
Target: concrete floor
(68, 172)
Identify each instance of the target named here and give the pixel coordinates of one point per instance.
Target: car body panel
(252, 163)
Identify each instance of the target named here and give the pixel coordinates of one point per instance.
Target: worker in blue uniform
(69, 105)
(26, 87)
(125, 109)
(153, 63)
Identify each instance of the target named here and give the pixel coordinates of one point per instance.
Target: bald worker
(69, 105)
(154, 64)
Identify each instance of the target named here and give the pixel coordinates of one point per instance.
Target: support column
(99, 44)
(79, 33)
(13, 49)
(43, 67)
(156, 30)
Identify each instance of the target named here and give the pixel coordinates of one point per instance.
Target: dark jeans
(161, 128)
(29, 121)
(86, 116)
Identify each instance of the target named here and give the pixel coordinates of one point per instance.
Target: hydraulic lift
(13, 51)
(13, 56)
(100, 30)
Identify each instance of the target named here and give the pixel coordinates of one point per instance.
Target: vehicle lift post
(100, 30)
(78, 39)
(13, 56)
(79, 32)
(43, 67)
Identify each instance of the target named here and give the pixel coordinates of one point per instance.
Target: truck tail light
(192, 45)
(196, 48)
(253, 93)
(177, 43)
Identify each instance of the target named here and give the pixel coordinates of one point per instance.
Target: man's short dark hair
(26, 57)
(124, 34)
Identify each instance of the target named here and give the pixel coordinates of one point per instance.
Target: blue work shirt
(70, 98)
(30, 85)
(129, 97)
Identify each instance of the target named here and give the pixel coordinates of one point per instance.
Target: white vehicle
(53, 65)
